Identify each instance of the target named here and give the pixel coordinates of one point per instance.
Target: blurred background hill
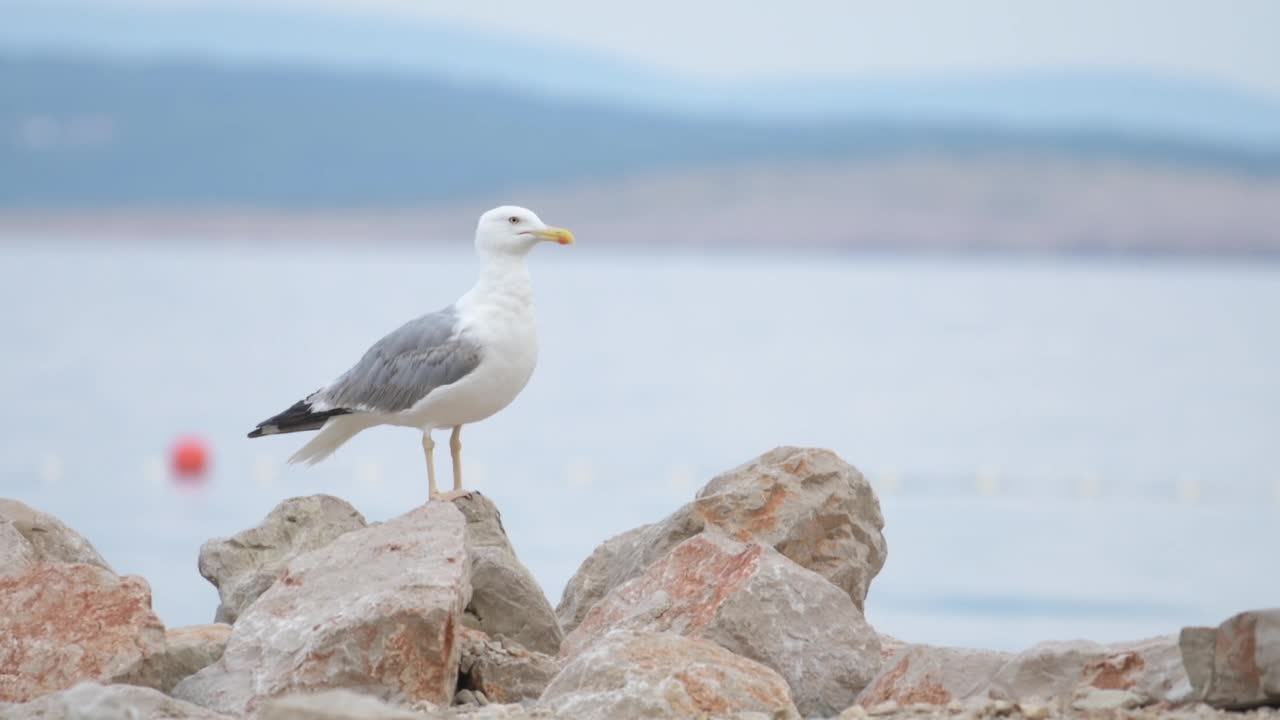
(244, 109)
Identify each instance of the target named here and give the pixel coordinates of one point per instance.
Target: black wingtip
(256, 432)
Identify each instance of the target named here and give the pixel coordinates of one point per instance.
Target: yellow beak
(555, 234)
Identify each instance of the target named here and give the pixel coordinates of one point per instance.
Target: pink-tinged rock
(806, 503)
(661, 675)
(754, 602)
(1237, 664)
(1152, 669)
(64, 623)
(51, 541)
(376, 610)
(933, 675)
(890, 646)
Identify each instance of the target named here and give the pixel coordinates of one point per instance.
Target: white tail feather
(336, 431)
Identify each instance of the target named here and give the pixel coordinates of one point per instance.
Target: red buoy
(189, 458)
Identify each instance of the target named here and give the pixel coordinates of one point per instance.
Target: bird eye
(513, 220)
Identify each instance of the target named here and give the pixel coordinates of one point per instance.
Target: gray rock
(50, 539)
(243, 566)
(662, 675)
(753, 601)
(91, 701)
(1197, 647)
(501, 671)
(1237, 664)
(934, 675)
(65, 623)
(187, 650)
(377, 610)
(808, 504)
(506, 601)
(335, 704)
(16, 553)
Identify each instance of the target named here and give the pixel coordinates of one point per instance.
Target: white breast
(498, 316)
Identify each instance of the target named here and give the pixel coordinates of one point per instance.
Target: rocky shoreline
(745, 603)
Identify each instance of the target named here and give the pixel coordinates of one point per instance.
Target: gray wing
(406, 365)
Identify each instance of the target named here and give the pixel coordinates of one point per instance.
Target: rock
(501, 671)
(187, 650)
(1150, 668)
(378, 609)
(64, 623)
(50, 539)
(807, 504)
(465, 697)
(1237, 664)
(243, 566)
(662, 675)
(91, 701)
(1197, 646)
(336, 704)
(934, 675)
(16, 553)
(506, 601)
(890, 646)
(754, 602)
(1092, 699)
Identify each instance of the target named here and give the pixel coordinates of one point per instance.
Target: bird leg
(455, 449)
(428, 445)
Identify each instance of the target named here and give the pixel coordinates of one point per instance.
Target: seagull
(449, 368)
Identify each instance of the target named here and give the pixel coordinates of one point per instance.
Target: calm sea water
(1063, 448)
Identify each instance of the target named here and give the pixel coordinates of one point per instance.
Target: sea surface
(1063, 448)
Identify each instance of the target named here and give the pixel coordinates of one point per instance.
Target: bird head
(511, 230)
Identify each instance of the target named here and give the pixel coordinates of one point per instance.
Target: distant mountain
(1073, 100)
(84, 132)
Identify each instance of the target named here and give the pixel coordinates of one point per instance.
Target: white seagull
(446, 369)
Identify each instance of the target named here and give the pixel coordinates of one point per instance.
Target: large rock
(933, 675)
(1237, 664)
(808, 504)
(662, 675)
(377, 610)
(50, 540)
(1152, 669)
(64, 623)
(754, 602)
(91, 701)
(506, 601)
(504, 671)
(243, 566)
(187, 650)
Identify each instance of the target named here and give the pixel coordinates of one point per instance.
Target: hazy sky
(1233, 41)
